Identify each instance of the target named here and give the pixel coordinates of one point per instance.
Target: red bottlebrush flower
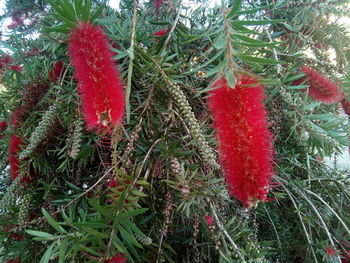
(3, 126)
(99, 83)
(245, 143)
(157, 4)
(12, 25)
(330, 251)
(14, 261)
(118, 258)
(161, 32)
(345, 256)
(56, 72)
(15, 146)
(16, 68)
(346, 106)
(317, 45)
(113, 183)
(5, 60)
(321, 88)
(209, 220)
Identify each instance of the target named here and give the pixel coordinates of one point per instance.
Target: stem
(221, 227)
(131, 64)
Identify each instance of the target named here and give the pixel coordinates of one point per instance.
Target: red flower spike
(5, 60)
(245, 143)
(118, 258)
(161, 32)
(99, 83)
(157, 4)
(14, 261)
(330, 251)
(57, 71)
(12, 25)
(321, 88)
(346, 106)
(15, 146)
(16, 68)
(15, 163)
(3, 126)
(209, 220)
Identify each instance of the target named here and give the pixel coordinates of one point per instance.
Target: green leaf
(291, 28)
(302, 87)
(206, 63)
(253, 42)
(86, 12)
(52, 222)
(318, 117)
(230, 78)
(259, 60)
(220, 42)
(129, 237)
(78, 5)
(134, 212)
(62, 251)
(98, 208)
(39, 234)
(234, 8)
(216, 69)
(98, 11)
(48, 253)
(312, 106)
(255, 22)
(291, 79)
(254, 10)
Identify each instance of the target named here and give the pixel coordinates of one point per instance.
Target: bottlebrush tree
(168, 131)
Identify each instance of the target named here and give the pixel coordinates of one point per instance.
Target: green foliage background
(164, 155)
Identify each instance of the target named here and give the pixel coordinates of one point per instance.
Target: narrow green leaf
(234, 8)
(52, 222)
(292, 78)
(39, 234)
(206, 63)
(259, 60)
(129, 237)
(312, 106)
(297, 87)
(98, 11)
(220, 42)
(62, 251)
(230, 78)
(254, 10)
(48, 253)
(86, 12)
(253, 42)
(255, 22)
(78, 5)
(68, 10)
(216, 69)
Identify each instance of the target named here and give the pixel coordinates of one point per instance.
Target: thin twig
(131, 63)
(172, 28)
(222, 228)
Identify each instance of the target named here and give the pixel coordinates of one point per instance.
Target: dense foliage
(151, 188)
